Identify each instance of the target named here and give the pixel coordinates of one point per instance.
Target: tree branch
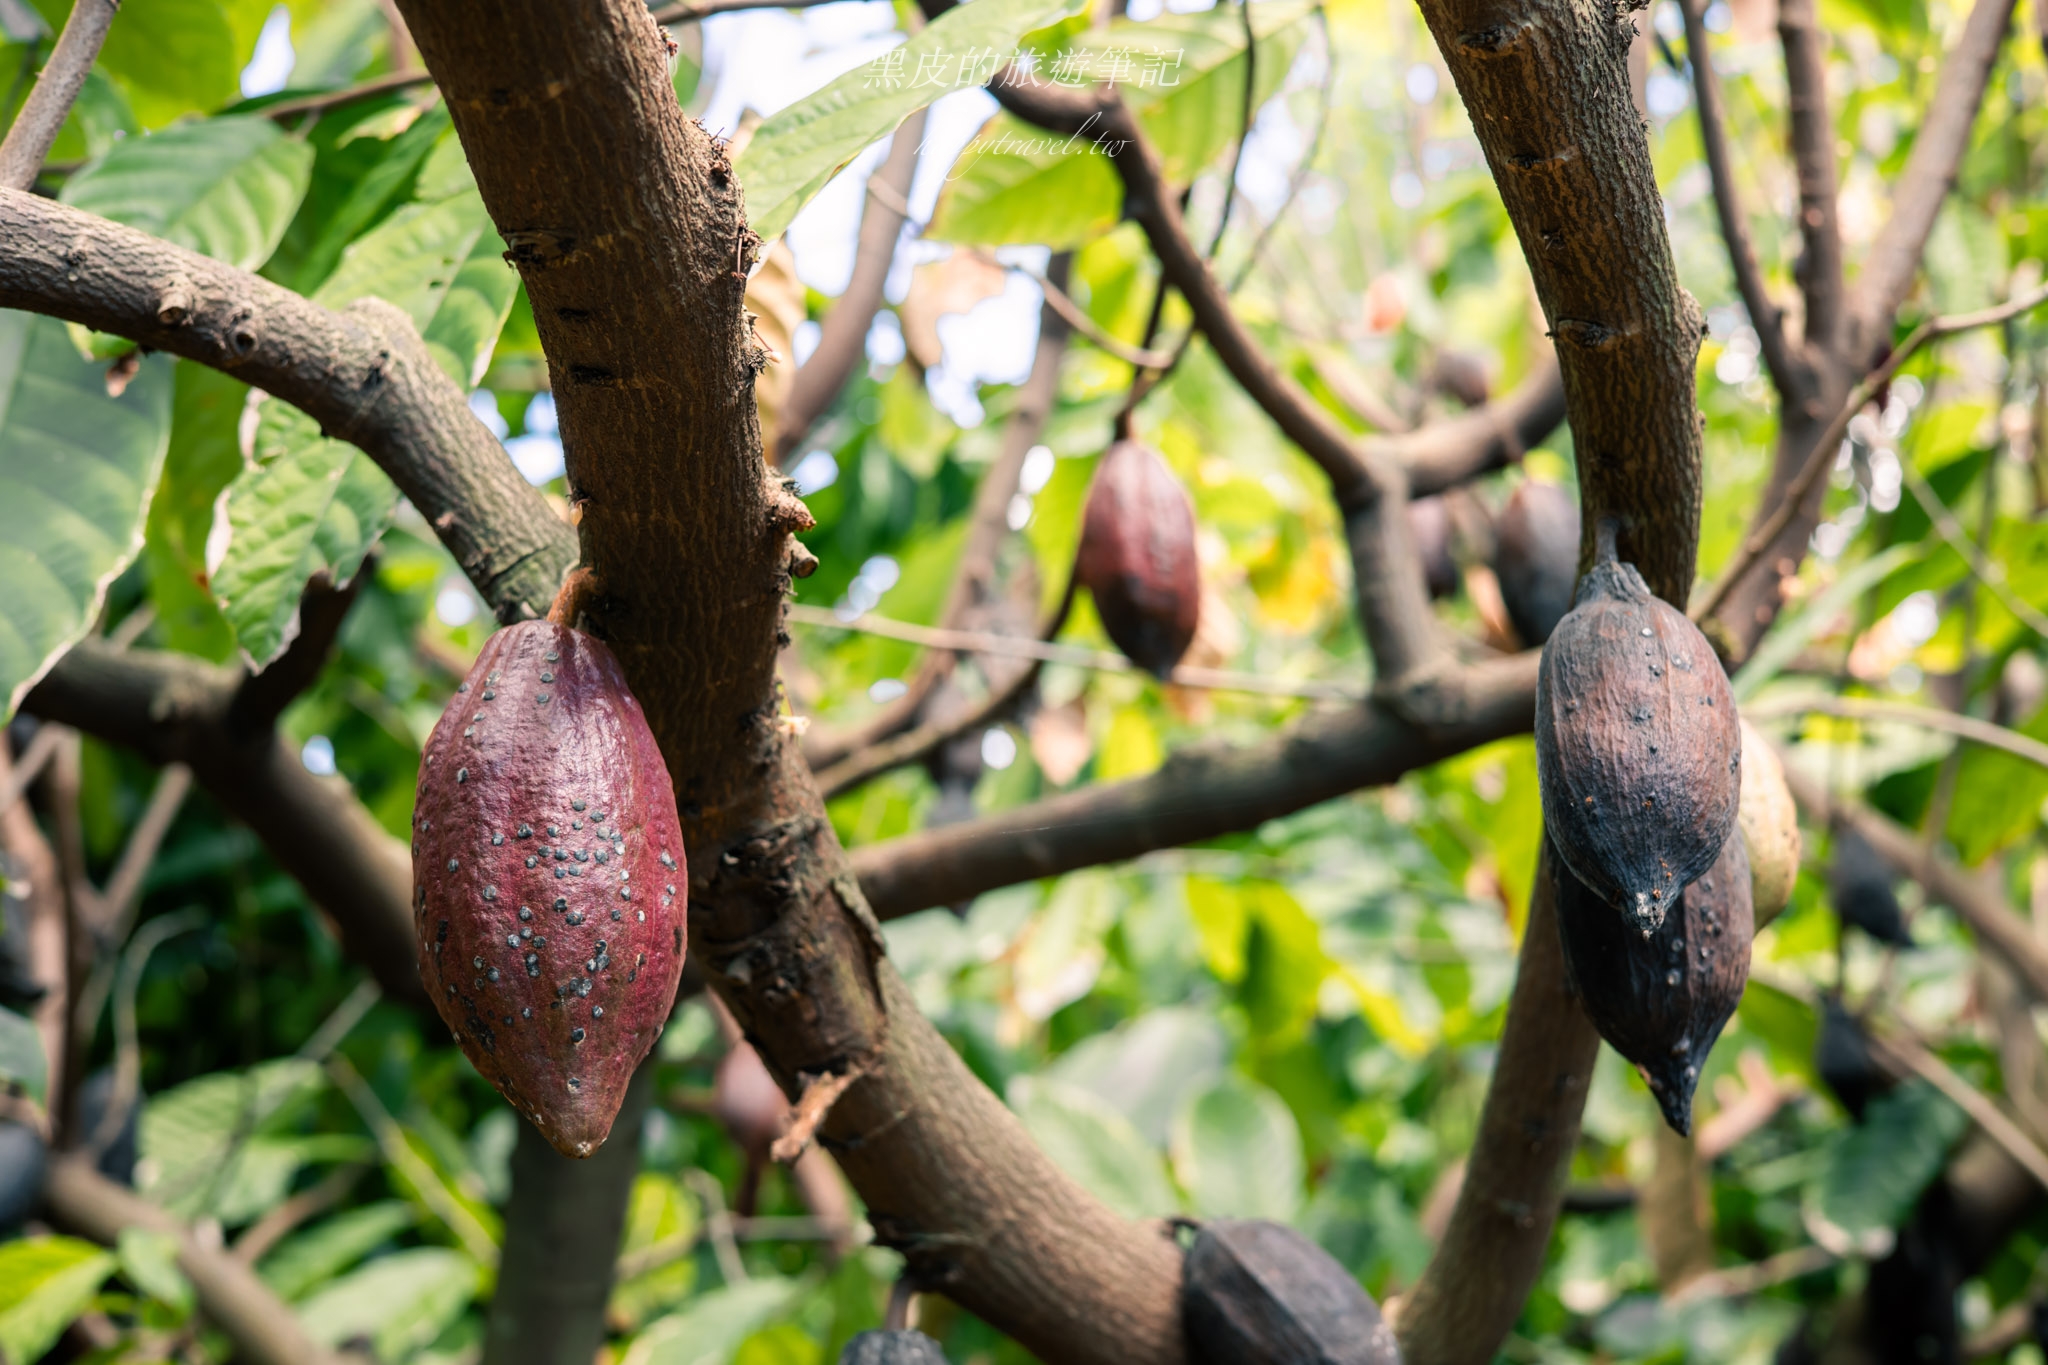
(31, 860)
(262, 1326)
(1813, 156)
(1930, 173)
(1201, 793)
(1765, 316)
(843, 335)
(42, 115)
(363, 373)
(1455, 450)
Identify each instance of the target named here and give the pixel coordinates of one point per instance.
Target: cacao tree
(1025, 679)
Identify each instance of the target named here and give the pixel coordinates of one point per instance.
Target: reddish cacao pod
(747, 1101)
(1137, 556)
(1661, 996)
(1536, 557)
(892, 1348)
(549, 891)
(1429, 523)
(1638, 744)
(1254, 1293)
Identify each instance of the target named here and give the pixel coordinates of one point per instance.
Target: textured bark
(42, 115)
(626, 224)
(1546, 83)
(1813, 155)
(1472, 1292)
(362, 373)
(1202, 793)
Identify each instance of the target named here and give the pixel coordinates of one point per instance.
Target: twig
(1813, 154)
(335, 99)
(1826, 445)
(1764, 315)
(1996, 1125)
(988, 642)
(342, 1021)
(266, 1232)
(1757, 1276)
(1076, 317)
(810, 1110)
(127, 1046)
(655, 1255)
(718, 1226)
(1929, 717)
(117, 899)
(403, 1160)
(42, 115)
(29, 766)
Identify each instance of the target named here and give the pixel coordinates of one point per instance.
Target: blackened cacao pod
(1843, 1059)
(1769, 821)
(1860, 888)
(1260, 1293)
(1536, 557)
(548, 882)
(1429, 523)
(1638, 745)
(1137, 556)
(1661, 996)
(892, 1348)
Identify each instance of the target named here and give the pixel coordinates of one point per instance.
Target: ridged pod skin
(1638, 745)
(1536, 557)
(1769, 821)
(892, 1348)
(1137, 556)
(1256, 1293)
(549, 892)
(1661, 996)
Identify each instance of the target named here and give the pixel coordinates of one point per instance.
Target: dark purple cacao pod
(1661, 996)
(892, 1348)
(1257, 1293)
(549, 891)
(1638, 745)
(1843, 1059)
(1860, 889)
(1137, 557)
(1429, 522)
(1536, 557)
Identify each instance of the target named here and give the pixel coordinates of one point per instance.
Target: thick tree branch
(1201, 793)
(1764, 315)
(1443, 454)
(42, 115)
(1813, 157)
(843, 335)
(626, 225)
(1930, 173)
(262, 1326)
(363, 373)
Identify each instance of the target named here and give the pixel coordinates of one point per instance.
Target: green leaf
(1877, 1169)
(1793, 633)
(794, 154)
(1016, 183)
(311, 1258)
(356, 182)
(400, 1302)
(1237, 1151)
(308, 504)
(1998, 796)
(45, 1282)
(76, 472)
(225, 187)
(713, 1326)
(188, 1134)
(22, 1061)
(149, 1260)
(205, 455)
(1095, 1145)
(170, 57)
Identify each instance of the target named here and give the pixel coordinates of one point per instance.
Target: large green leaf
(205, 456)
(309, 1259)
(401, 1302)
(1877, 1169)
(712, 1327)
(307, 504)
(22, 1061)
(171, 57)
(1097, 1146)
(195, 1138)
(1016, 183)
(77, 468)
(794, 154)
(45, 1282)
(225, 187)
(1237, 1150)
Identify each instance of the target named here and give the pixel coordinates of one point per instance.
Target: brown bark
(626, 224)
(1813, 156)
(42, 115)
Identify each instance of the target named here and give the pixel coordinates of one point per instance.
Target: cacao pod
(1258, 1293)
(1137, 557)
(892, 1348)
(1769, 821)
(1660, 996)
(1843, 1059)
(747, 1101)
(1536, 557)
(1429, 522)
(549, 889)
(1638, 744)
(1860, 888)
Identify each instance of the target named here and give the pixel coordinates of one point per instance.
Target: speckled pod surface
(1638, 745)
(1138, 559)
(1660, 997)
(549, 891)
